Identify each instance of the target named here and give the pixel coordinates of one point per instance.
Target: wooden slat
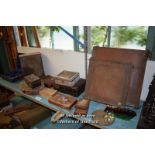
(10, 45)
(23, 36)
(36, 36)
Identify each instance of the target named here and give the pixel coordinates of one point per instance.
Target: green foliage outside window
(121, 35)
(46, 30)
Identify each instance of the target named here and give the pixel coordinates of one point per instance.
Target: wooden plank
(10, 45)
(36, 36)
(23, 36)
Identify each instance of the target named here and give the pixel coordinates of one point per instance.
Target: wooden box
(32, 80)
(75, 90)
(64, 101)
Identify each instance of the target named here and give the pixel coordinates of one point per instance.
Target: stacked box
(32, 81)
(67, 78)
(75, 90)
(70, 83)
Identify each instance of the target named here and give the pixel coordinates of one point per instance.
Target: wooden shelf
(118, 124)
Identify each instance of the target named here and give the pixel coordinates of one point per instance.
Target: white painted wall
(54, 61)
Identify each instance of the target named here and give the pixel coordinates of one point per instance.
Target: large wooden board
(108, 82)
(32, 63)
(137, 58)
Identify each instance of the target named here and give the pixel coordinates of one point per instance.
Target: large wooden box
(75, 90)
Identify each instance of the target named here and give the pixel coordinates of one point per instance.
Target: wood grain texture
(64, 101)
(137, 58)
(108, 82)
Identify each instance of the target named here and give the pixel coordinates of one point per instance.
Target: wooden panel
(10, 45)
(36, 36)
(23, 36)
(32, 63)
(108, 82)
(137, 58)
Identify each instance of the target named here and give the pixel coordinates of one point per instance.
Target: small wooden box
(67, 75)
(32, 80)
(48, 81)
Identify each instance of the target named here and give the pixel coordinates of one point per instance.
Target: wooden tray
(47, 92)
(28, 90)
(64, 101)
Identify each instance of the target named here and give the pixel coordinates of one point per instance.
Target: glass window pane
(58, 39)
(44, 34)
(129, 37)
(62, 40)
(99, 35)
